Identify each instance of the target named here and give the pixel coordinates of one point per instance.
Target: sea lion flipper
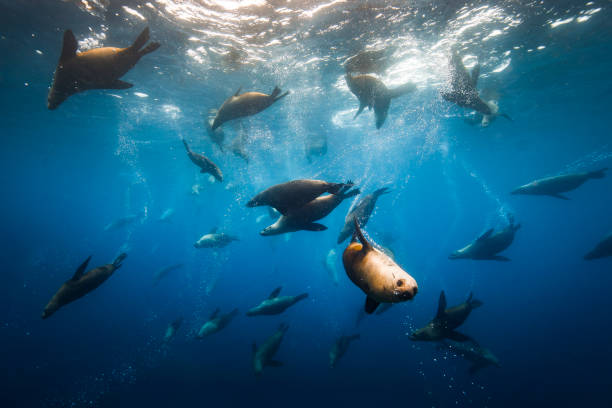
(361, 108)
(149, 48)
(486, 235)
(69, 46)
(455, 335)
(81, 269)
(314, 226)
(275, 292)
(119, 84)
(238, 91)
(142, 39)
(441, 305)
(370, 305)
(366, 245)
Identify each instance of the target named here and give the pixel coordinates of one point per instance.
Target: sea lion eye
(400, 282)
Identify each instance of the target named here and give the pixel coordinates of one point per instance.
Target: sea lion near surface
(275, 304)
(215, 240)
(446, 321)
(373, 93)
(470, 350)
(81, 284)
(554, 186)
(304, 218)
(247, 104)
(602, 250)
(361, 212)
(215, 323)
(263, 356)
(204, 163)
(98, 68)
(294, 194)
(489, 244)
(376, 274)
(367, 62)
(340, 347)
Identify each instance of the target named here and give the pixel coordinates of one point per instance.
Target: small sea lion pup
(294, 194)
(554, 186)
(204, 163)
(263, 355)
(81, 284)
(99, 68)
(489, 244)
(247, 104)
(376, 274)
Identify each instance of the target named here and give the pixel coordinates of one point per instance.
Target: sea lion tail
(301, 297)
(186, 145)
(275, 94)
(141, 40)
(149, 48)
(119, 259)
(597, 174)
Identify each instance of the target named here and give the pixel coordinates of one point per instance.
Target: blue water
(103, 155)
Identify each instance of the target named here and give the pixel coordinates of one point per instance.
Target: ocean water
(68, 174)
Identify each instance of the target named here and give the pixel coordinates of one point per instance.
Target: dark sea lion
(263, 355)
(366, 62)
(602, 250)
(372, 93)
(216, 323)
(470, 350)
(204, 163)
(99, 68)
(340, 347)
(163, 272)
(122, 222)
(81, 284)
(361, 212)
(489, 244)
(303, 218)
(275, 304)
(247, 104)
(172, 329)
(554, 186)
(376, 274)
(294, 194)
(446, 321)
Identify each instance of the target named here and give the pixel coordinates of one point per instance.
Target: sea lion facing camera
(247, 104)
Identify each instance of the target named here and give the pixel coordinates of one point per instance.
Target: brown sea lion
(99, 68)
(247, 104)
(376, 274)
(81, 284)
(204, 163)
(294, 194)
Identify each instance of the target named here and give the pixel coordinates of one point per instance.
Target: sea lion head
(424, 333)
(49, 309)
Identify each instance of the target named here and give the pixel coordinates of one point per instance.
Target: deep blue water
(68, 173)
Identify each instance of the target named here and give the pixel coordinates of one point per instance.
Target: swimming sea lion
(121, 222)
(263, 355)
(376, 274)
(238, 147)
(247, 104)
(160, 274)
(489, 244)
(361, 212)
(304, 218)
(204, 163)
(99, 68)
(602, 250)
(216, 323)
(81, 284)
(315, 146)
(172, 329)
(554, 186)
(214, 240)
(366, 62)
(446, 321)
(470, 350)
(329, 263)
(275, 304)
(294, 194)
(372, 93)
(340, 347)
(167, 215)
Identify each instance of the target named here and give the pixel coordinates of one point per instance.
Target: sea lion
(247, 104)
(470, 350)
(216, 323)
(204, 163)
(329, 263)
(554, 186)
(376, 274)
(304, 218)
(294, 194)
(172, 329)
(99, 68)
(238, 147)
(446, 321)
(81, 284)
(489, 244)
(160, 274)
(602, 249)
(361, 212)
(372, 93)
(121, 222)
(315, 146)
(462, 89)
(340, 347)
(167, 215)
(366, 62)
(263, 355)
(214, 240)
(275, 304)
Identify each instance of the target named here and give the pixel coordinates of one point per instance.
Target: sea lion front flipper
(485, 235)
(559, 196)
(313, 226)
(118, 84)
(69, 47)
(81, 269)
(361, 108)
(275, 292)
(441, 305)
(370, 305)
(366, 245)
(275, 363)
(455, 335)
(238, 91)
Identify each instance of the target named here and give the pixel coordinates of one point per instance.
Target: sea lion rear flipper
(142, 39)
(80, 270)
(313, 226)
(69, 46)
(370, 305)
(485, 235)
(275, 363)
(559, 196)
(214, 314)
(441, 305)
(366, 245)
(455, 335)
(149, 48)
(275, 292)
(118, 84)
(361, 108)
